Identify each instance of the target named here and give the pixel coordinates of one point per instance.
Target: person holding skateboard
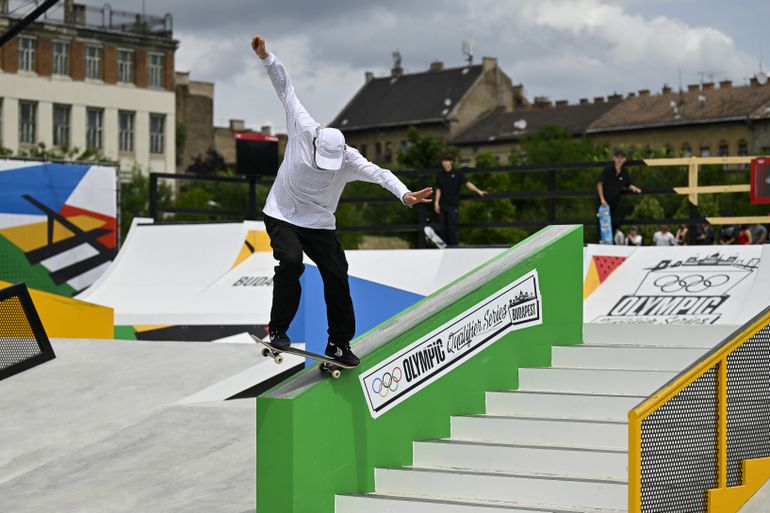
(614, 181)
(299, 213)
(447, 201)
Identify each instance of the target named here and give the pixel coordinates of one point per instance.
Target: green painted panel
(15, 268)
(323, 441)
(125, 333)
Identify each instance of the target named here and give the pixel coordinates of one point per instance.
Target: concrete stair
(557, 444)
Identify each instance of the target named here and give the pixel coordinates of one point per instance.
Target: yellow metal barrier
(714, 366)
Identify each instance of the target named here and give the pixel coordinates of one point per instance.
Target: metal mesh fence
(23, 342)
(748, 404)
(679, 449)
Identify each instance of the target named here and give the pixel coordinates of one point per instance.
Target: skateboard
(605, 225)
(433, 237)
(328, 365)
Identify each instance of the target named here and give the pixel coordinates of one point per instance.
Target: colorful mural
(58, 229)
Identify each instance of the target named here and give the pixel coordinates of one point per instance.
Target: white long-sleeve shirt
(303, 194)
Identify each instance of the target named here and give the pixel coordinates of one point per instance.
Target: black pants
(449, 225)
(322, 247)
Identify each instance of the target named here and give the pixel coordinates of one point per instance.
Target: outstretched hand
(423, 196)
(258, 45)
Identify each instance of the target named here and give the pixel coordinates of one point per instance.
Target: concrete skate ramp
(760, 502)
(712, 285)
(140, 426)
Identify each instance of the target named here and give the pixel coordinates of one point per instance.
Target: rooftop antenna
(467, 48)
(396, 59)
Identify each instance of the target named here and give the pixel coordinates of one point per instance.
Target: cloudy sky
(563, 49)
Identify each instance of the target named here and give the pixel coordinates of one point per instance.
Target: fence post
(692, 184)
(154, 196)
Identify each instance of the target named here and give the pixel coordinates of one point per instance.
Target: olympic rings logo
(388, 382)
(693, 283)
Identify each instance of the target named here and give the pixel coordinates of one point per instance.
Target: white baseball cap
(329, 148)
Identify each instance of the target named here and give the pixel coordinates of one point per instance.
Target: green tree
(135, 199)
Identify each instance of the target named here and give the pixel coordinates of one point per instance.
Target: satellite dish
(520, 124)
(762, 78)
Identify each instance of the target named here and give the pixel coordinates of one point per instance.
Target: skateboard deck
(328, 365)
(433, 237)
(605, 225)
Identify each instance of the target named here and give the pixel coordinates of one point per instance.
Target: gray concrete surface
(760, 503)
(99, 429)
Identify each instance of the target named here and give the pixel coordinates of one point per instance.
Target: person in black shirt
(447, 199)
(615, 181)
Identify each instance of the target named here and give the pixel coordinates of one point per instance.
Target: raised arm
(368, 172)
(297, 118)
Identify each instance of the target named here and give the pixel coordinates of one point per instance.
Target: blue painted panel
(373, 303)
(50, 184)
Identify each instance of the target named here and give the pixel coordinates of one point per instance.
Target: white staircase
(557, 444)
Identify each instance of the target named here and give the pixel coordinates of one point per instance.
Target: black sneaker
(341, 353)
(279, 340)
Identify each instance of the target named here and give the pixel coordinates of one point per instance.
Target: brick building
(91, 78)
(437, 101)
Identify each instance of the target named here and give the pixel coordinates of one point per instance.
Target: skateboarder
(299, 213)
(615, 181)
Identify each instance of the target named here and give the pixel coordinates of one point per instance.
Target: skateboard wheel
(265, 352)
(278, 359)
(335, 374)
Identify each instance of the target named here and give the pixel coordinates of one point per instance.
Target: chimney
(397, 71)
(693, 87)
(644, 92)
(368, 76)
(666, 89)
(631, 95)
(266, 130)
(599, 100)
(725, 84)
(518, 96)
(488, 63)
(3, 6)
(614, 97)
(754, 82)
(436, 66)
(237, 125)
(74, 14)
(542, 101)
(707, 86)
(562, 103)
(583, 101)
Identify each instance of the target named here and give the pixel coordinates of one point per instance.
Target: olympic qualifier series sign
(402, 375)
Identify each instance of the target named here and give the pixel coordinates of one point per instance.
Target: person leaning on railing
(615, 181)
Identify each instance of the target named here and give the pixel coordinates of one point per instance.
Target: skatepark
(528, 411)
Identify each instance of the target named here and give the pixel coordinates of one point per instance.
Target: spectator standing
(728, 234)
(664, 237)
(634, 237)
(758, 234)
(681, 235)
(620, 237)
(615, 181)
(704, 235)
(446, 203)
(744, 235)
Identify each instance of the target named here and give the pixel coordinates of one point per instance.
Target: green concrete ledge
(316, 437)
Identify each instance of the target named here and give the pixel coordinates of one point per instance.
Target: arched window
(686, 150)
(724, 148)
(743, 148)
(705, 149)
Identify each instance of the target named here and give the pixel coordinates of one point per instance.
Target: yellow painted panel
(64, 317)
(258, 240)
(150, 327)
(592, 280)
(756, 473)
(29, 237)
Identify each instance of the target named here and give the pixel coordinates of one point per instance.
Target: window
(27, 122)
(26, 53)
(686, 150)
(155, 69)
(363, 150)
(705, 150)
(157, 130)
(94, 62)
(61, 58)
(61, 125)
(125, 130)
(125, 65)
(94, 118)
(743, 148)
(388, 152)
(378, 152)
(669, 150)
(724, 149)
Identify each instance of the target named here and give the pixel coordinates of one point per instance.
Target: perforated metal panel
(679, 450)
(748, 404)
(23, 342)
